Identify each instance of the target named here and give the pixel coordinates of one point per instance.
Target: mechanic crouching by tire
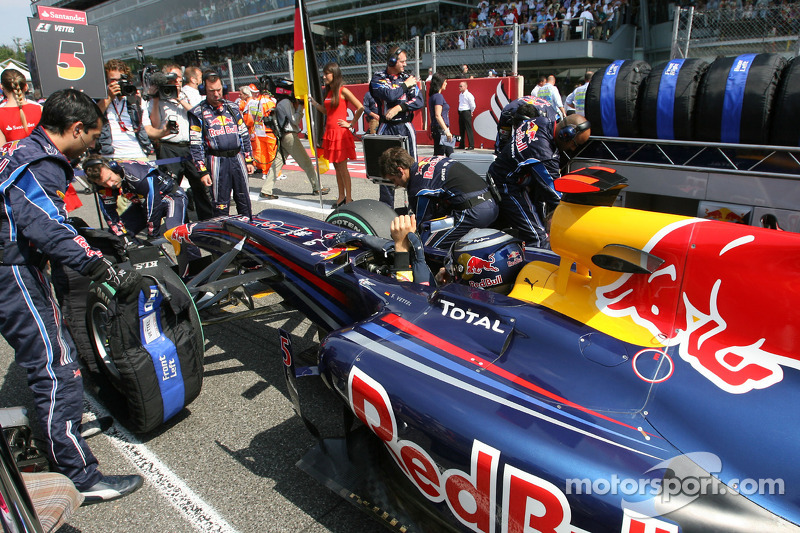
(34, 175)
(440, 187)
(150, 195)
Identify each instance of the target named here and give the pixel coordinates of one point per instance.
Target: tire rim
(99, 321)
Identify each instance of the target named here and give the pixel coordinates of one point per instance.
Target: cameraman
(128, 132)
(169, 106)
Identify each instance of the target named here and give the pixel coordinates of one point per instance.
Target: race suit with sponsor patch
(220, 145)
(33, 179)
(150, 197)
(441, 187)
(388, 90)
(524, 173)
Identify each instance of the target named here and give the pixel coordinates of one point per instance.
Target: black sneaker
(111, 488)
(96, 426)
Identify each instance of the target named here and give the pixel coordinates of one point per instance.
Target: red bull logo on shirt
(525, 135)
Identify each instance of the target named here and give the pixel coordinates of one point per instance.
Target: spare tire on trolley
(735, 98)
(669, 95)
(613, 98)
(364, 216)
(150, 350)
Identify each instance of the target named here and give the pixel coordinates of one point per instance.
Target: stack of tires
(746, 99)
(734, 101)
(786, 107)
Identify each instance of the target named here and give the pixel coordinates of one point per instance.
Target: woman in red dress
(338, 144)
(18, 116)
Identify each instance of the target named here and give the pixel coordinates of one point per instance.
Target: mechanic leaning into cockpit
(440, 187)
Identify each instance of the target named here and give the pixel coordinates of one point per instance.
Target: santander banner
(66, 16)
(491, 95)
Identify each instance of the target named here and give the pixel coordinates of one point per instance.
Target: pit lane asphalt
(227, 463)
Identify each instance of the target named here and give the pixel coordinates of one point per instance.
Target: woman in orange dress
(338, 144)
(18, 115)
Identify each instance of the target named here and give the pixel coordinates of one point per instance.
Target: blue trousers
(479, 216)
(229, 174)
(519, 211)
(31, 322)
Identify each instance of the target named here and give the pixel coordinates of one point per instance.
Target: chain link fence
(492, 50)
(357, 63)
(488, 51)
(734, 31)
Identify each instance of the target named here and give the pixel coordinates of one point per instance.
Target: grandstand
(243, 38)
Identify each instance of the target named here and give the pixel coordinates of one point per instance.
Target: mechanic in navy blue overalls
(440, 187)
(220, 146)
(34, 174)
(515, 112)
(397, 96)
(150, 195)
(525, 170)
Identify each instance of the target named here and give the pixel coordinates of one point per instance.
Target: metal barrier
(357, 63)
(734, 31)
(487, 39)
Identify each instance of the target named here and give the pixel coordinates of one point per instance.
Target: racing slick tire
(735, 98)
(669, 97)
(364, 216)
(150, 351)
(786, 109)
(613, 98)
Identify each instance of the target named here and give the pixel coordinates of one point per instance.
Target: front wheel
(364, 216)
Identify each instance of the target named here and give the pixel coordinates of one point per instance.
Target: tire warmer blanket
(162, 351)
(734, 96)
(665, 105)
(608, 103)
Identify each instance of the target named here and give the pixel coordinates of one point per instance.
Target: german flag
(306, 73)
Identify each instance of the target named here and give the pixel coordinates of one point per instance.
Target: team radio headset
(391, 62)
(568, 133)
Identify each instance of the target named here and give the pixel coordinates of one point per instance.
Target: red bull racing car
(638, 378)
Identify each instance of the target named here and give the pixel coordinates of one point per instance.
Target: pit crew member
(150, 195)
(34, 173)
(397, 97)
(515, 112)
(220, 146)
(525, 170)
(440, 187)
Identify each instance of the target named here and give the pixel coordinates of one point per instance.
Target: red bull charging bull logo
(526, 135)
(477, 265)
(726, 296)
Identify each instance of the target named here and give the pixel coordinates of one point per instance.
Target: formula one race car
(638, 378)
